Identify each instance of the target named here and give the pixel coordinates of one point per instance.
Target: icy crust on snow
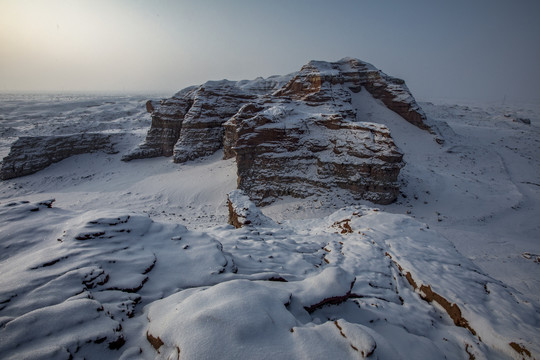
(116, 284)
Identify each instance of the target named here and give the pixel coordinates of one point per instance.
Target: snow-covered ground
(141, 252)
(480, 189)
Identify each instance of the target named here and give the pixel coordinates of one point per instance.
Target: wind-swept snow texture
(102, 259)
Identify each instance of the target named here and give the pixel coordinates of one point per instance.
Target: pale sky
(459, 49)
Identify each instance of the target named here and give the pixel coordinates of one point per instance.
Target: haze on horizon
(478, 50)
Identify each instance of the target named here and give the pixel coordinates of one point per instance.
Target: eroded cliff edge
(296, 135)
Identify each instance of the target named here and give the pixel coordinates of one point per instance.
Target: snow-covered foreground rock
(357, 283)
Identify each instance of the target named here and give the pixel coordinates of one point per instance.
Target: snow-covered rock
(294, 135)
(243, 212)
(295, 148)
(357, 283)
(387, 286)
(354, 74)
(188, 125)
(30, 154)
(91, 272)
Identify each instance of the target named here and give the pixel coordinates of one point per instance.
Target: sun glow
(85, 42)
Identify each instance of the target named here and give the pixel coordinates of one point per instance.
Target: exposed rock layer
(354, 75)
(296, 135)
(300, 153)
(30, 154)
(189, 124)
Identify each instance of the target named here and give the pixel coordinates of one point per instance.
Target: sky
(460, 49)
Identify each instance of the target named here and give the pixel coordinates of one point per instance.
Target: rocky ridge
(189, 124)
(295, 135)
(30, 154)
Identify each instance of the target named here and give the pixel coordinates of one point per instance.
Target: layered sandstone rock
(189, 124)
(354, 75)
(167, 118)
(30, 154)
(296, 135)
(212, 104)
(286, 148)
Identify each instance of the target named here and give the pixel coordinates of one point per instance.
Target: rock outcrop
(242, 212)
(296, 135)
(189, 124)
(167, 118)
(30, 154)
(354, 75)
(283, 149)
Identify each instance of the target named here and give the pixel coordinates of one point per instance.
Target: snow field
(136, 260)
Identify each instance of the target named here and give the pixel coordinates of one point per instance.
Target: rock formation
(30, 154)
(242, 212)
(189, 124)
(288, 149)
(296, 135)
(354, 75)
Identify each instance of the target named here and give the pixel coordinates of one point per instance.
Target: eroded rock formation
(189, 124)
(287, 149)
(30, 154)
(353, 74)
(296, 135)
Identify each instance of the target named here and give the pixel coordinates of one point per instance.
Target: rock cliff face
(300, 150)
(167, 118)
(189, 124)
(30, 154)
(296, 135)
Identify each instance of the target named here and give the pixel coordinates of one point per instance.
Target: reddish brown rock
(355, 75)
